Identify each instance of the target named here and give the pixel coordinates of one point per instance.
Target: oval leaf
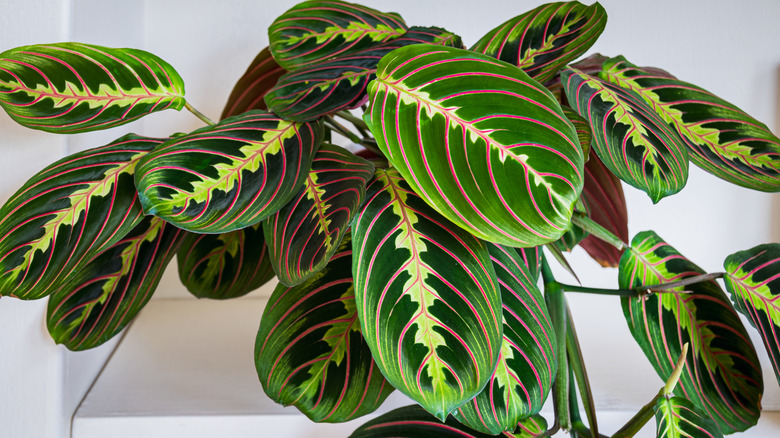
(677, 417)
(306, 232)
(250, 90)
(722, 375)
(629, 137)
(100, 299)
(721, 138)
(223, 266)
(526, 365)
(753, 280)
(313, 31)
(228, 176)
(427, 297)
(485, 145)
(310, 352)
(73, 87)
(68, 213)
(340, 83)
(415, 422)
(545, 39)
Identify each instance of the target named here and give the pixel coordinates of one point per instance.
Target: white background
(728, 47)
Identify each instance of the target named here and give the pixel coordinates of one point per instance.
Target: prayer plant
(415, 258)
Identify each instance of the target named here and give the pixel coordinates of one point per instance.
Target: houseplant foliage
(417, 258)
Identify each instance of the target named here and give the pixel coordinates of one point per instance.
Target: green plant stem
(357, 121)
(341, 129)
(601, 291)
(198, 114)
(577, 366)
(587, 224)
(556, 304)
(639, 420)
(688, 281)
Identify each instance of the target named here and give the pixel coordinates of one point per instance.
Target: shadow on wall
(775, 219)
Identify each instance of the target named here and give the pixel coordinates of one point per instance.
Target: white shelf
(186, 368)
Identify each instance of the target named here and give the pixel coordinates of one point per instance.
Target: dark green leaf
(309, 350)
(427, 296)
(227, 265)
(306, 232)
(677, 417)
(100, 299)
(68, 213)
(228, 176)
(722, 375)
(74, 87)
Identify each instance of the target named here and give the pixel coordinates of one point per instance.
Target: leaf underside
(250, 90)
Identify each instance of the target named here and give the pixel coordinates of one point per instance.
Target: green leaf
(584, 132)
(306, 232)
(721, 138)
(323, 88)
(545, 39)
(532, 259)
(230, 175)
(677, 417)
(73, 87)
(100, 299)
(223, 266)
(753, 280)
(310, 352)
(526, 365)
(415, 422)
(488, 147)
(314, 31)
(629, 137)
(68, 213)
(250, 90)
(427, 297)
(722, 375)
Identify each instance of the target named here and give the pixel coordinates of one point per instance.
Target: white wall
(725, 46)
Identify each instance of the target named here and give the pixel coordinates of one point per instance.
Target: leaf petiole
(589, 225)
(198, 114)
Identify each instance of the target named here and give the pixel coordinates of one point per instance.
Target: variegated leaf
(340, 83)
(722, 374)
(228, 176)
(584, 133)
(545, 39)
(677, 417)
(526, 365)
(415, 422)
(310, 352)
(753, 280)
(485, 145)
(68, 213)
(629, 137)
(305, 233)
(100, 299)
(427, 297)
(721, 138)
(74, 87)
(606, 205)
(227, 265)
(251, 88)
(314, 31)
